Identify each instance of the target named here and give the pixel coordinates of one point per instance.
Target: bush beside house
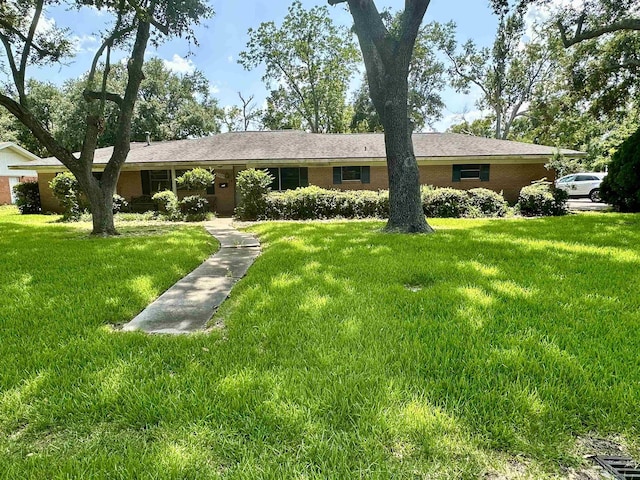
(542, 199)
(257, 202)
(27, 198)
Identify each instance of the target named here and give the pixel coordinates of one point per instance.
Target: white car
(582, 184)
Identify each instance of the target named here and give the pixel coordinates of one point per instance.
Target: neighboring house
(342, 161)
(20, 160)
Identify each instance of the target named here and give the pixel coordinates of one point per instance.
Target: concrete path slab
(189, 304)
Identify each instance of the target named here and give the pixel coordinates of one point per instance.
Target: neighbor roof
(18, 149)
(256, 147)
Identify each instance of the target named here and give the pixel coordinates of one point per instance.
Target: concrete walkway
(189, 304)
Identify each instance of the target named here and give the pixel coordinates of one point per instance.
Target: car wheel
(594, 195)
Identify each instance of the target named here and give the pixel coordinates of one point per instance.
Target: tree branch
(29, 41)
(144, 15)
(581, 36)
(42, 51)
(40, 132)
(107, 42)
(12, 65)
(411, 20)
(369, 24)
(112, 97)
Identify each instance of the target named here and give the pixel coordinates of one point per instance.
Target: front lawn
(489, 348)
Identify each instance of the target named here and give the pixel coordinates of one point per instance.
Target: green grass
(489, 347)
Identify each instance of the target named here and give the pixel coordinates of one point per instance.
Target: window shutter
(146, 182)
(304, 177)
(365, 175)
(484, 173)
(456, 173)
(337, 175)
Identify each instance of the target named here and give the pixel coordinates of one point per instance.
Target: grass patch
(487, 348)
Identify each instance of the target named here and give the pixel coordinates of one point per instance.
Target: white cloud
(230, 59)
(537, 14)
(44, 24)
(84, 43)
(214, 89)
(179, 65)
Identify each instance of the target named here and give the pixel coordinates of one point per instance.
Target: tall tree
(240, 117)
(426, 81)
(387, 57)
(169, 106)
(46, 101)
(136, 22)
(311, 60)
(506, 75)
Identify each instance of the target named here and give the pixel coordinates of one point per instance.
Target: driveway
(586, 205)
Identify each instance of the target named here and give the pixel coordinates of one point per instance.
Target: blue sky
(224, 36)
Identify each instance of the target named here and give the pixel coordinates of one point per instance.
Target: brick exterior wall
(129, 185)
(5, 188)
(506, 178)
(5, 193)
(47, 200)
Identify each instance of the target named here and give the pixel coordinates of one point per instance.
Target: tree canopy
(134, 24)
(308, 62)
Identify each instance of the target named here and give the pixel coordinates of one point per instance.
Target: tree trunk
(405, 201)
(387, 57)
(102, 215)
(100, 196)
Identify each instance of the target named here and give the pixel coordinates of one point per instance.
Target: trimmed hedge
(317, 203)
(310, 203)
(542, 199)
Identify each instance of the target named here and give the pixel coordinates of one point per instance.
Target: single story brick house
(14, 155)
(340, 161)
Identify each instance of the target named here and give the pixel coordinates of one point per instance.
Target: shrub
(621, 186)
(253, 187)
(197, 179)
(195, 208)
(142, 204)
(66, 189)
(445, 202)
(168, 204)
(317, 203)
(542, 199)
(488, 203)
(119, 203)
(27, 197)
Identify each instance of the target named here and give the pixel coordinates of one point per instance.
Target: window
(154, 181)
(471, 172)
(211, 189)
(567, 179)
(289, 178)
(351, 174)
(586, 178)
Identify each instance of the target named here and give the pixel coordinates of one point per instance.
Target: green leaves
(308, 63)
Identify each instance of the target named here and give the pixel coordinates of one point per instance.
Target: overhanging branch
(582, 35)
(112, 97)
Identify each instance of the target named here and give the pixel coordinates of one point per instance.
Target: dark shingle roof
(242, 147)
